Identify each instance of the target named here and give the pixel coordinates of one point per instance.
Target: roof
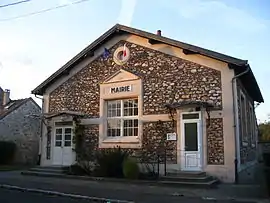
(13, 105)
(239, 64)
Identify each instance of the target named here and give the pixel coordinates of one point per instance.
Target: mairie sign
(126, 88)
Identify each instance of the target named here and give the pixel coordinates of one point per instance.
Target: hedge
(7, 152)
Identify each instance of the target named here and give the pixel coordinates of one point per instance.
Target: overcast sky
(33, 47)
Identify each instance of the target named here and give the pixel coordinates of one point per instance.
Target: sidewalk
(130, 191)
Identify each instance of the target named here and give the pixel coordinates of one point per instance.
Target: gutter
(41, 131)
(236, 126)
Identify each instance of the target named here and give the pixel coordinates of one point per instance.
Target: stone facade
(154, 141)
(163, 77)
(19, 127)
(90, 143)
(215, 141)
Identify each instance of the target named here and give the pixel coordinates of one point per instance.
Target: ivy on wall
(78, 137)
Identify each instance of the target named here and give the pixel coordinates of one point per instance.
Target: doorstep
(171, 183)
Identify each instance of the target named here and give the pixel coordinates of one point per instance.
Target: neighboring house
(20, 123)
(128, 79)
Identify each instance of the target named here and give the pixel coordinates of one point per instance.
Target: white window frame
(121, 118)
(244, 136)
(63, 136)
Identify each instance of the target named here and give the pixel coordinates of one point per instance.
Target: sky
(35, 46)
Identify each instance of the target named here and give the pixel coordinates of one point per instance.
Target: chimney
(159, 32)
(6, 97)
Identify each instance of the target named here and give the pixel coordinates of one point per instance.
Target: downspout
(41, 131)
(236, 132)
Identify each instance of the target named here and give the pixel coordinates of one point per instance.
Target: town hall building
(127, 80)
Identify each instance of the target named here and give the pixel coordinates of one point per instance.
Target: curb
(74, 196)
(145, 182)
(245, 200)
(142, 182)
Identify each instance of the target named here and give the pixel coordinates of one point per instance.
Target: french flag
(124, 51)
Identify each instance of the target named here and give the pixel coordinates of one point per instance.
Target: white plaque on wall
(171, 136)
(126, 88)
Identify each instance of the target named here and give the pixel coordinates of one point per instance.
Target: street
(12, 196)
(114, 191)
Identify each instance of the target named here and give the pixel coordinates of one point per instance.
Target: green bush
(76, 169)
(7, 152)
(131, 169)
(109, 162)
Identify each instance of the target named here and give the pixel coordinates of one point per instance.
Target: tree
(264, 130)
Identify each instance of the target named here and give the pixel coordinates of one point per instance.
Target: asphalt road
(118, 191)
(14, 196)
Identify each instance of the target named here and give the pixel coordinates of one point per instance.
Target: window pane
(64, 123)
(130, 131)
(243, 118)
(113, 127)
(191, 116)
(67, 143)
(113, 132)
(68, 137)
(119, 104)
(131, 107)
(67, 130)
(130, 127)
(135, 131)
(114, 108)
(125, 132)
(58, 131)
(58, 143)
(136, 111)
(58, 137)
(191, 137)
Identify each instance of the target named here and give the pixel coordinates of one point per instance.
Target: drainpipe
(235, 109)
(41, 131)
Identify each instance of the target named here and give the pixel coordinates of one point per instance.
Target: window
(63, 137)
(252, 123)
(191, 116)
(243, 117)
(122, 118)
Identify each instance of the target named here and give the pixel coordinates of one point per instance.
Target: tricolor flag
(124, 51)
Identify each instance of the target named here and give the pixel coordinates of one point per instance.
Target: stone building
(127, 80)
(20, 123)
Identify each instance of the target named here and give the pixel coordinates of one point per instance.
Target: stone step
(208, 184)
(186, 174)
(200, 179)
(47, 170)
(51, 167)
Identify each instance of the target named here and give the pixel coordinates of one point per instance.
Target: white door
(63, 153)
(191, 142)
